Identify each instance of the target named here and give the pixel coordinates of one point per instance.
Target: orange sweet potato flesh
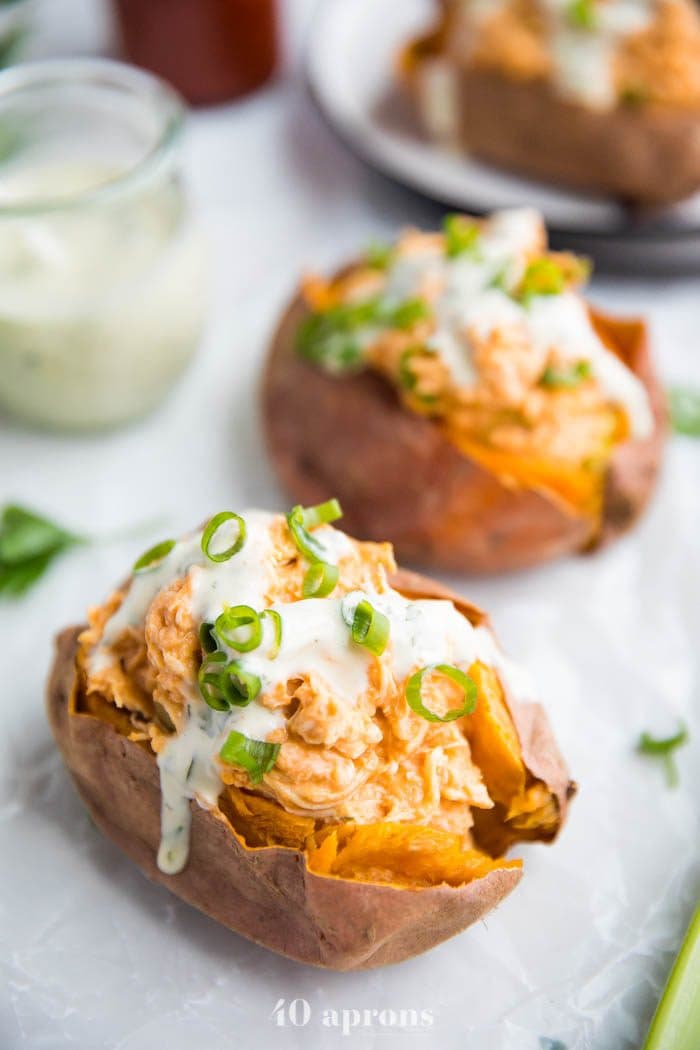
(399, 478)
(344, 896)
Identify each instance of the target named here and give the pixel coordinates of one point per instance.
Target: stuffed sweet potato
(327, 755)
(603, 95)
(464, 402)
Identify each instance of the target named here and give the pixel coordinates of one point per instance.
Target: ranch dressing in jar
(102, 291)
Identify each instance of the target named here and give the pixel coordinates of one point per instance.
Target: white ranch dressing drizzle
(316, 643)
(469, 300)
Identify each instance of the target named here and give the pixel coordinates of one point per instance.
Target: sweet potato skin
(398, 477)
(647, 155)
(267, 894)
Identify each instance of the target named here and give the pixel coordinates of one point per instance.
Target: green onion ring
(206, 638)
(321, 513)
(414, 696)
(257, 757)
(213, 527)
(277, 627)
(153, 557)
(210, 684)
(320, 580)
(305, 543)
(239, 686)
(370, 627)
(233, 619)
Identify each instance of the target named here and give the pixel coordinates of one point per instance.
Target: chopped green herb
(239, 627)
(543, 276)
(321, 578)
(277, 628)
(462, 236)
(331, 338)
(368, 626)
(379, 256)
(28, 545)
(255, 756)
(213, 527)
(663, 748)
(153, 557)
(634, 96)
(684, 407)
(566, 378)
(582, 14)
(414, 692)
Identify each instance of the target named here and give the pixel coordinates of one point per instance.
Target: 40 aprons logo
(298, 1013)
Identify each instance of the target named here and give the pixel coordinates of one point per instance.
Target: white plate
(350, 62)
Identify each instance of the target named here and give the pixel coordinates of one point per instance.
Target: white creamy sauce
(316, 643)
(470, 301)
(101, 306)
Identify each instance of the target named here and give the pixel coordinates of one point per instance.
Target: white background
(91, 954)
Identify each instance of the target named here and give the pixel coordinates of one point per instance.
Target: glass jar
(102, 286)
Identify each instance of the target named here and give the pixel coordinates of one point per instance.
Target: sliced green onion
(206, 638)
(582, 14)
(543, 276)
(210, 684)
(255, 756)
(414, 692)
(320, 514)
(234, 619)
(684, 407)
(239, 686)
(305, 543)
(153, 556)
(406, 314)
(408, 379)
(379, 256)
(676, 1023)
(213, 527)
(462, 235)
(370, 627)
(663, 748)
(277, 627)
(320, 580)
(566, 378)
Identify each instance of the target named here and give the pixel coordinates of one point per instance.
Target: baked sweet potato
(495, 98)
(404, 474)
(348, 894)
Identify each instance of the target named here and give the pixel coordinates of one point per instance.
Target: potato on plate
(463, 401)
(603, 95)
(326, 754)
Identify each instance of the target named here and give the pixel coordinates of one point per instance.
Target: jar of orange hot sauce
(210, 50)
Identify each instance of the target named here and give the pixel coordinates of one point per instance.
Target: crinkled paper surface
(91, 954)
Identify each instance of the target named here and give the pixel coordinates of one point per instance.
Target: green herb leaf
(462, 236)
(582, 14)
(255, 756)
(28, 545)
(566, 378)
(684, 407)
(414, 692)
(663, 748)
